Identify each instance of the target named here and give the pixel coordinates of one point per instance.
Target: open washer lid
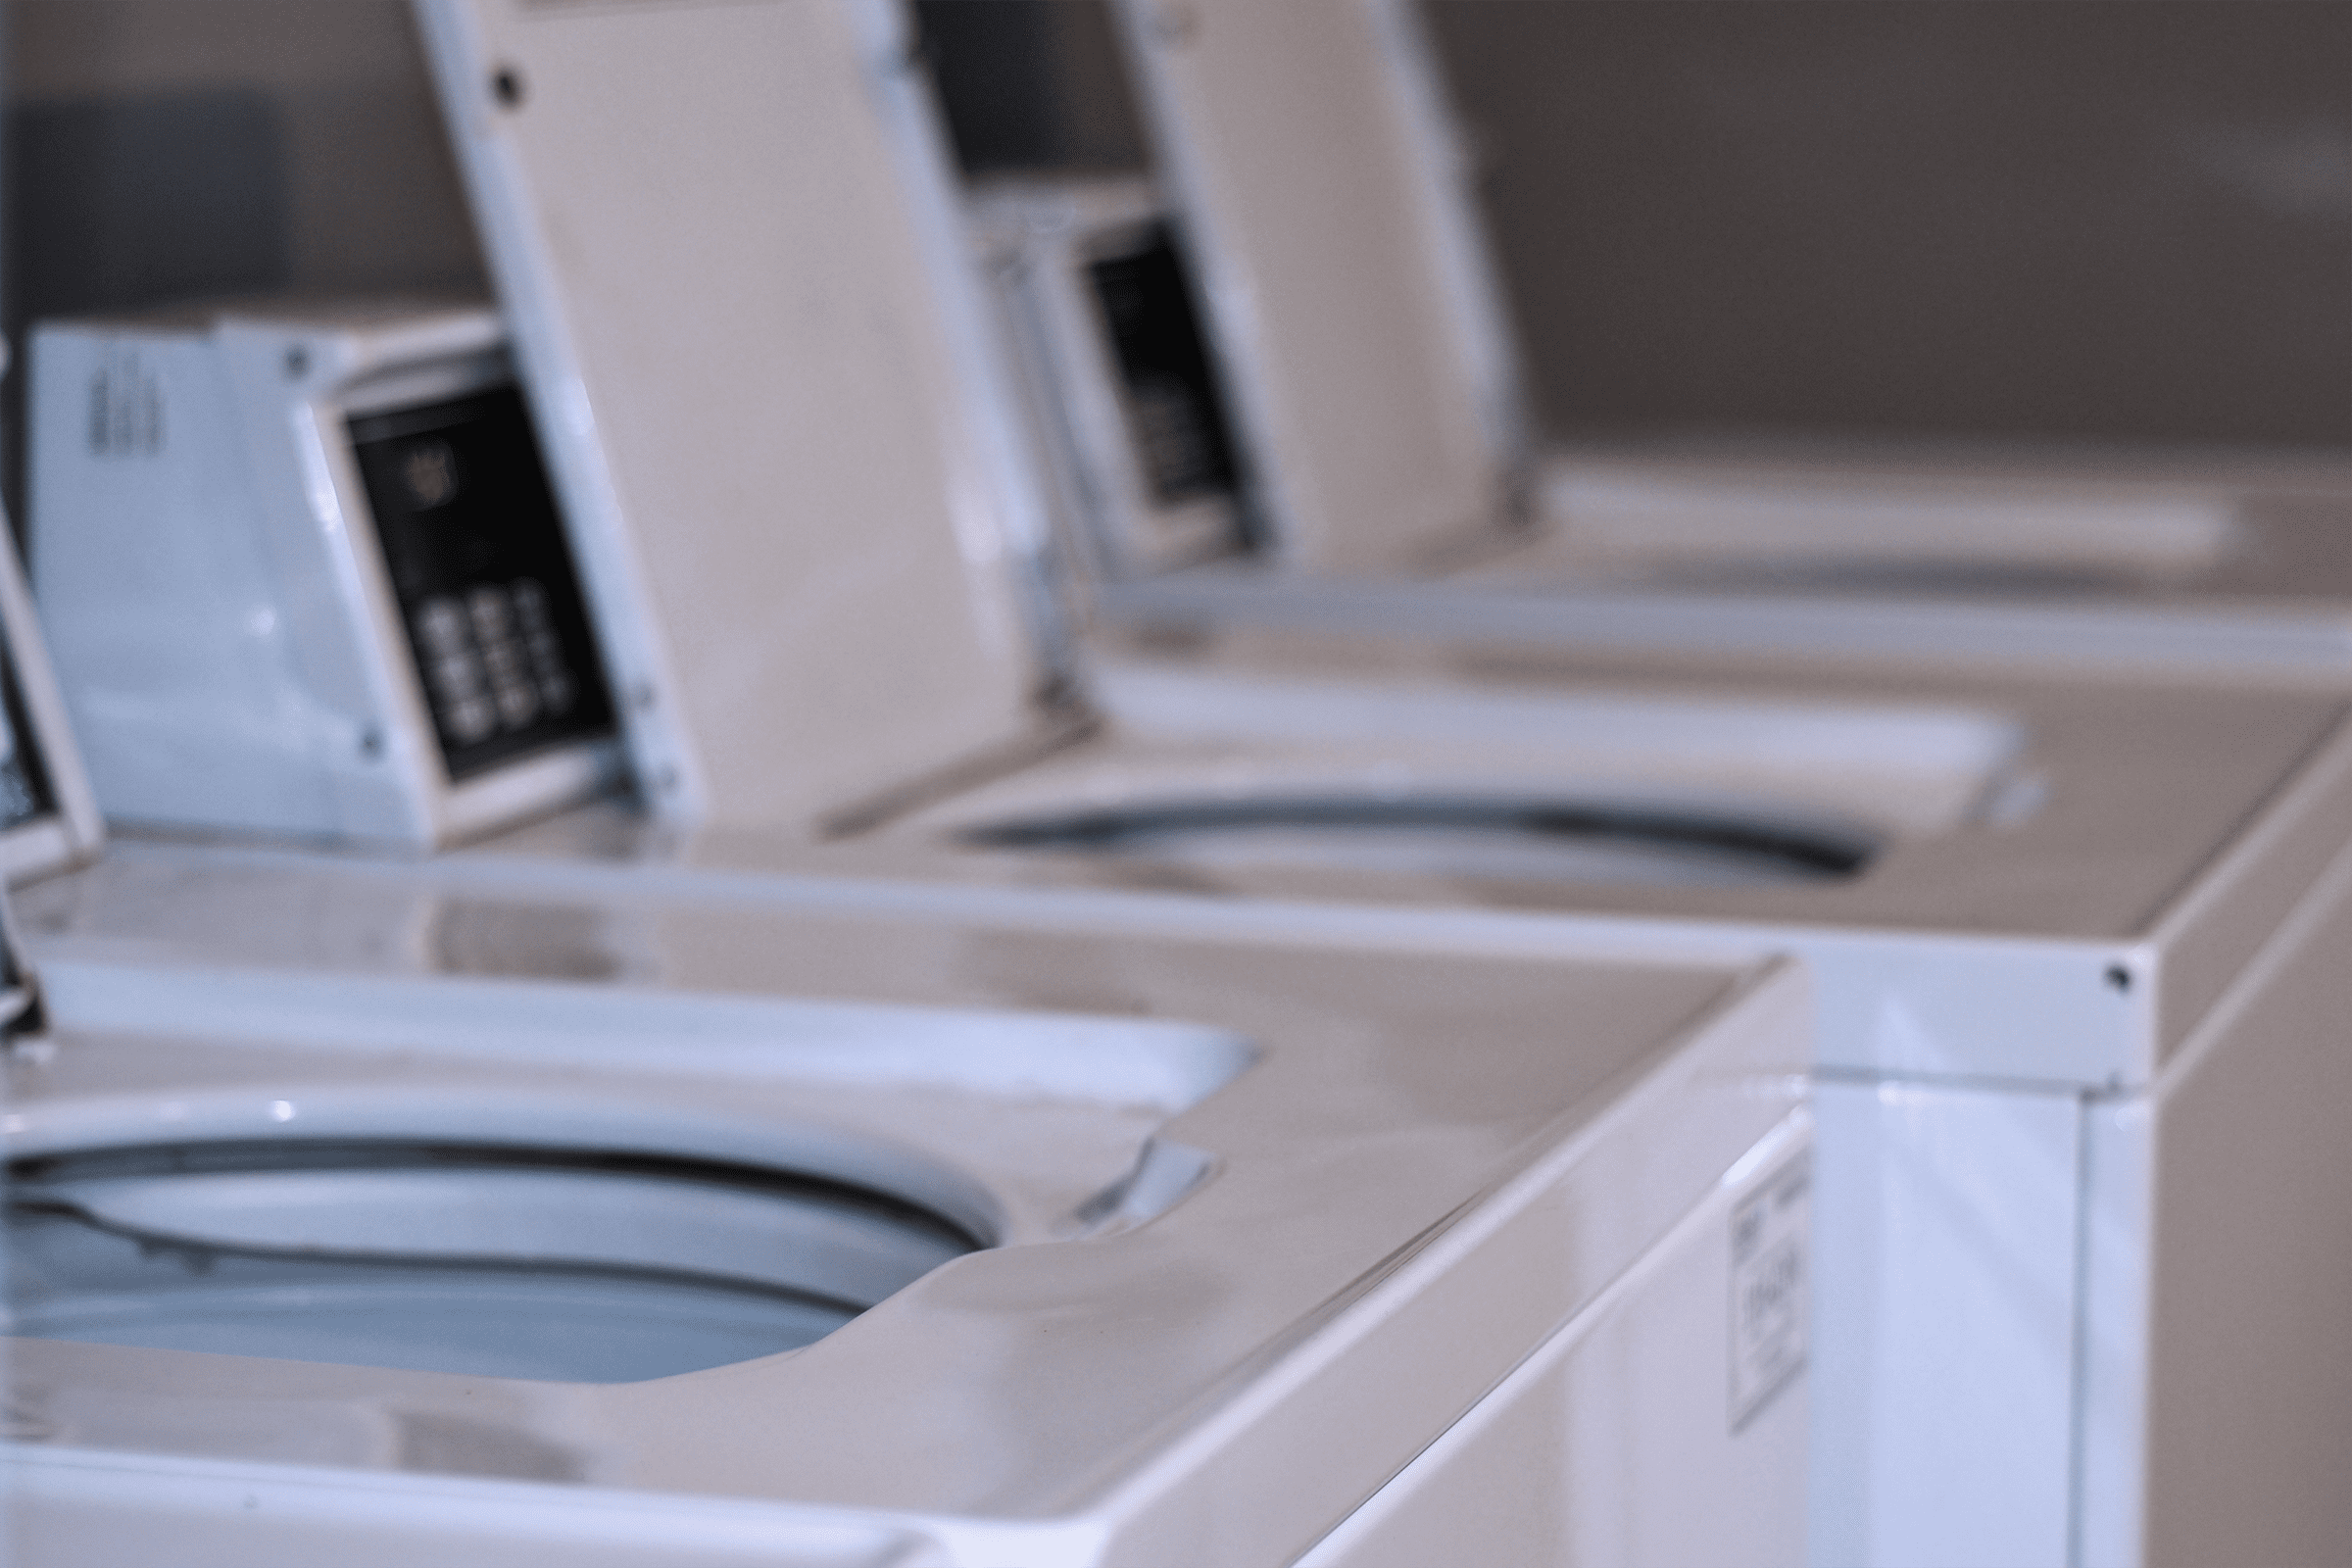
(787, 447)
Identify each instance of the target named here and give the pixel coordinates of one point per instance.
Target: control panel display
(1173, 409)
(479, 563)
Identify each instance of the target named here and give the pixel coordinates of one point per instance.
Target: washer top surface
(1990, 809)
(2039, 524)
(2190, 564)
(2057, 879)
(2060, 877)
(1222, 1184)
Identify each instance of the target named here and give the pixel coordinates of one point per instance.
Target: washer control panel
(1175, 412)
(307, 573)
(475, 554)
(1131, 404)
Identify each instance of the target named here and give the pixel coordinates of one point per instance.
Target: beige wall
(1922, 220)
(310, 118)
(1939, 218)
(163, 149)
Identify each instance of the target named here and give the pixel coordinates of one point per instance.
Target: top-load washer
(847, 1238)
(2055, 922)
(2052, 922)
(1377, 481)
(884, 1246)
(1358, 371)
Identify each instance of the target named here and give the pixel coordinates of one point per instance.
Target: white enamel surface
(2096, 814)
(776, 418)
(110, 602)
(2110, 1528)
(1978, 967)
(1828, 522)
(109, 1507)
(1939, 972)
(2019, 559)
(1965, 966)
(2216, 1376)
(2162, 832)
(2200, 524)
(1947, 1251)
(1912, 770)
(558, 907)
(2013, 556)
(2178, 636)
(1366, 1189)
(1634, 1387)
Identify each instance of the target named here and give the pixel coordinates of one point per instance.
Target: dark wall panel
(1941, 217)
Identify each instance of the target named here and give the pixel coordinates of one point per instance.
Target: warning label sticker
(127, 409)
(1769, 1288)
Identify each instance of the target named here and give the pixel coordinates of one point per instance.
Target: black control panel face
(1174, 410)
(478, 561)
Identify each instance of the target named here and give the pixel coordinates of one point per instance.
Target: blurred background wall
(1929, 219)
(158, 150)
(2087, 221)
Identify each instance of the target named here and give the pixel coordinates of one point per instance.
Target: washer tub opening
(1528, 839)
(484, 1259)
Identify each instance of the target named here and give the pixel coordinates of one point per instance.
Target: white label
(127, 408)
(1770, 1288)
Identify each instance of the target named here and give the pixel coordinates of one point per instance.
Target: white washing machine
(930, 1266)
(2040, 914)
(2059, 1059)
(2067, 1031)
(1357, 363)
(1684, 559)
(2055, 922)
(860, 1239)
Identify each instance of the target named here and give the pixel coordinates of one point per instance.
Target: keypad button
(518, 704)
(492, 612)
(531, 604)
(506, 663)
(441, 627)
(474, 720)
(494, 660)
(456, 679)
